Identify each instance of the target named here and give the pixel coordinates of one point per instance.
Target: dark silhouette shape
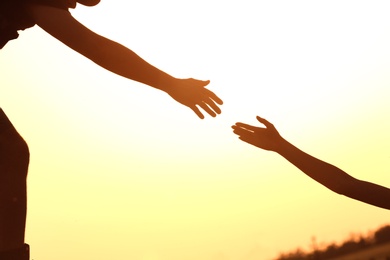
(14, 160)
(382, 235)
(333, 178)
(375, 245)
(54, 17)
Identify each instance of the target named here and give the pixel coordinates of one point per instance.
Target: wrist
(166, 83)
(281, 146)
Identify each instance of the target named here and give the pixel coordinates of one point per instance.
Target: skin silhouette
(333, 178)
(122, 61)
(54, 18)
(14, 160)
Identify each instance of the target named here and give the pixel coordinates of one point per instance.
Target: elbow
(337, 188)
(340, 189)
(346, 186)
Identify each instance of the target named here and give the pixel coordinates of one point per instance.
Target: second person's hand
(267, 138)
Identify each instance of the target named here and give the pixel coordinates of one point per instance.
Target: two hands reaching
(194, 94)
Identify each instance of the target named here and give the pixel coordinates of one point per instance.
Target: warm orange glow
(119, 171)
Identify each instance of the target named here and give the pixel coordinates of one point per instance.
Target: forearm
(124, 62)
(104, 52)
(370, 193)
(335, 179)
(328, 175)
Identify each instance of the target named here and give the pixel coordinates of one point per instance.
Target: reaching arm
(121, 60)
(333, 178)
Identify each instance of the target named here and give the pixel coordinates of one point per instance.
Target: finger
(199, 82)
(239, 127)
(264, 121)
(249, 127)
(206, 108)
(246, 140)
(237, 130)
(242, 131)
(213, 96)
(206, 82)
(213, 106)
(197, 112)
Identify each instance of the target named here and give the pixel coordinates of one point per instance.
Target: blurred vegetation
(351, 245)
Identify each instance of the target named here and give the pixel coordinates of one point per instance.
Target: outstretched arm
(333, 178)
(122, 61)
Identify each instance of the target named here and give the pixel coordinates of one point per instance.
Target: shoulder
(13, 18)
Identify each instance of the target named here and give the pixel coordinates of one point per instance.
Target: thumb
(265, 122)
(201, 83)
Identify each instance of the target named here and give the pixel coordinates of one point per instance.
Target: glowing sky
(120, 171)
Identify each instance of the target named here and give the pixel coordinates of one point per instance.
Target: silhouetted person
(14, 159)
(333, 178)
(53, 17)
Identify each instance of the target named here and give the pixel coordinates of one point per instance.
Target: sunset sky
(120, 171)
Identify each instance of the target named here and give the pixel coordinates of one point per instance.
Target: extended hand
(266, 138)
(192, 93)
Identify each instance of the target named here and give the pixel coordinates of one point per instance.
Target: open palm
(193, 94)
(266, 138)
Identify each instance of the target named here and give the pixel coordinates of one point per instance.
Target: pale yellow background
(120, 171)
